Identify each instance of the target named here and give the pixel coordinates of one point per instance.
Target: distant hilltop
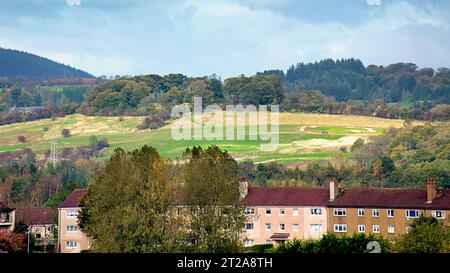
(14, 63)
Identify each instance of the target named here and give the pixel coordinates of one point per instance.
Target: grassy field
(303, 137)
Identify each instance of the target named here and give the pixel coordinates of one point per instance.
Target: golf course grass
(302, 137)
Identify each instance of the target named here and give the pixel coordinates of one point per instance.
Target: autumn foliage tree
(11, 242)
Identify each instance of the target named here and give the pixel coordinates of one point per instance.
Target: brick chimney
(243, 188)
(431, 189)
(334, 189)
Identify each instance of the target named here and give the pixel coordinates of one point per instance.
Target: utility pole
(53, 156)
(28, 244)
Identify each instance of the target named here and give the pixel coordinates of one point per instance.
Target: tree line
(398, 158)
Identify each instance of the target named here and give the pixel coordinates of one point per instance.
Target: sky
(228, 38)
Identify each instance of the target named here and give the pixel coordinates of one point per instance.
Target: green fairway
(299, 139)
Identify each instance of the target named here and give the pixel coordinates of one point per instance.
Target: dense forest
(348, 79)
(14, 63)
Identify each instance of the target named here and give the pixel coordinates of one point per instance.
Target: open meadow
(302, 137)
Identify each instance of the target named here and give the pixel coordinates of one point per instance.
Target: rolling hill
(14, 63)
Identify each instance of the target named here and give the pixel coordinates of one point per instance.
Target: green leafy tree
(426, 235)
(133, 210)
(211, 192)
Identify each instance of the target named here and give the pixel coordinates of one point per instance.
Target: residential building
(279, 214)
(387, 212)
(42, 223)
(70, 238)
(7, 218)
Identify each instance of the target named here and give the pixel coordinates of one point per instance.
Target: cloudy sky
(226, 37)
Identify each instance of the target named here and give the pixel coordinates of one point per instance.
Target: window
(361, 212)
(282, 227)
(248, 242)
(248, 226)
(438, 214)
(361, 228)
(375, 213)
(38, 236)
(295, 227)
(316, 227)
(268, 241)
(71, 244)
(390, 213)
(249, 211)
(316, 211)
(294, 212)
(408, 228)
(268, 211)
(72, 228)
(282, 212)
(376, 229)
(412, 213)
(340, 228)
(391, 229)
(72, 213)
(268, 226)
(339, 212)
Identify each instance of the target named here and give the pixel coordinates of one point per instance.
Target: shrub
(65, 133)
(21, 139)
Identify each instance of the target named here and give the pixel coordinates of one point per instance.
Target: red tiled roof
(268, 196)
(73, 200)
(36, 216)
(398, 198)
(442, 201)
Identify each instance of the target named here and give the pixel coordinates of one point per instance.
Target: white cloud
(373, 2)
(73, 2)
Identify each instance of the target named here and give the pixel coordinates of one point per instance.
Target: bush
(331, 243)
(426, 235)
(21, 139)
(154, 120)
(261, 248)
(65, 133)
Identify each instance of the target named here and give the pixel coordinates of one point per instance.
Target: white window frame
(434, 214)
(375, 213)
(294, 212)
(316, 211)
(251, 225)
(343, 228)
(391, 229)
(248, 242)
(71, 244)
(342, 210)
(295, 227)
(361, 212)
(71, 228)
(268, 211)
(408, 216)
(361, 228)
(268, 224)
(390, 215)
(72, 213)
(311, 226)
(249, 211)
(282, 229)
(376, 229)
(282, 212)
